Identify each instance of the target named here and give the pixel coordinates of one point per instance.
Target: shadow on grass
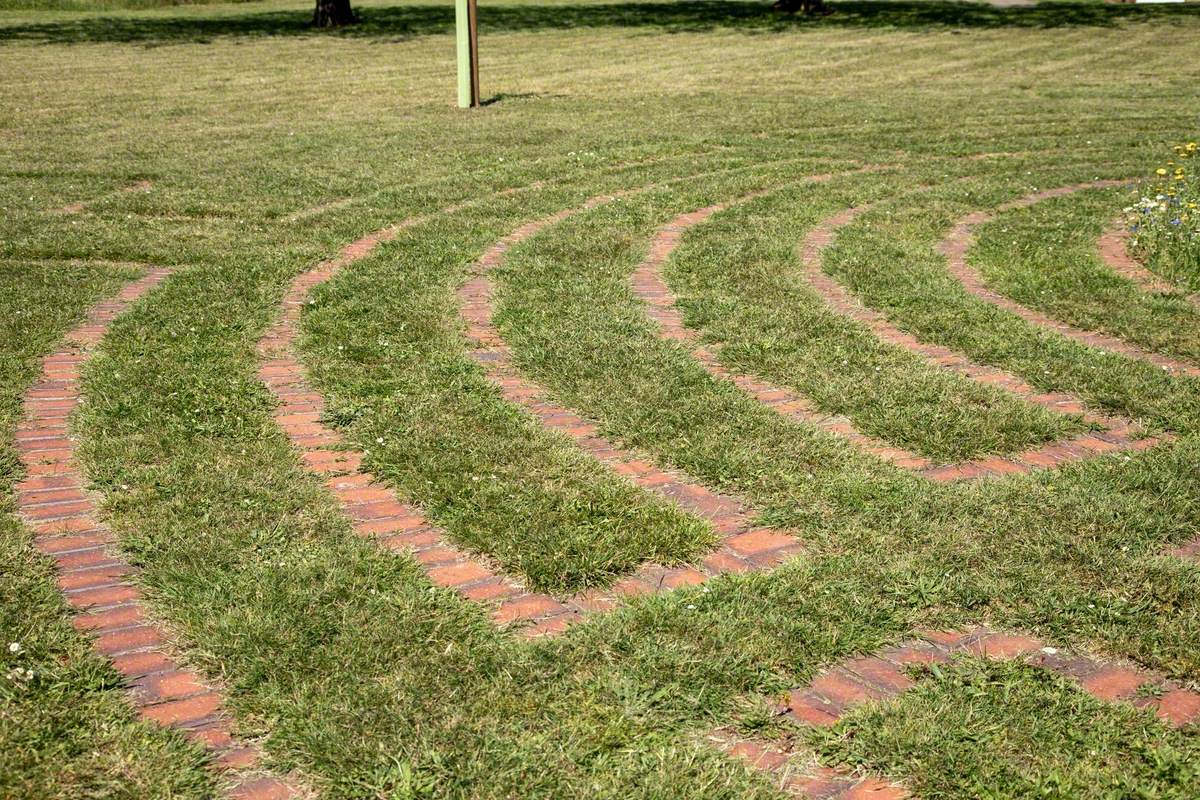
(403, 22)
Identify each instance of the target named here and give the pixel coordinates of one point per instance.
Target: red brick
(758, 541)
(491, 589)
(88, 577)
(809, 709)
(139, 637)
(757, 756)
(170, 685)
(1005, 645)
(213, 737)
(948, 639)
(880, 673)
(631, 586)
(437, 555)
(261, 789)
(238, 758)
(117, 617)
(1112, 683)
(380, 510)
(63, 526)
(1179, 707)
(49, 482)
(527, 607)
(415, 540)
(374, 527)
(683, 576)
(876, 789)
(368, 494)
(844, 689)
(103, 596)
(133, 665)
(459, 573)
(79, 559)
(549, 627)
(183, 712)
(32, 497)
(724, 561)
(51, 545)
(355, 481)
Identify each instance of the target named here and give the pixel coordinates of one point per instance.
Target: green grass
(358, 673)
(1045, 257)
(974, 726)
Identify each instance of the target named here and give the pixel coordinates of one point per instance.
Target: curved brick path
(377, 512)
(649, 285)
(962, 236)
(882, 677)
(651, 288)
(1114, 250)
(1115, 434)
(94, 576)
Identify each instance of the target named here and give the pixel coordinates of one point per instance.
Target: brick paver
(94, 575)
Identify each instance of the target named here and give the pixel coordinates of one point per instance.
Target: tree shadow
(393, 23)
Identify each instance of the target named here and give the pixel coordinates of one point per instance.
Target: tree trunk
(333, 13)
(803, 6)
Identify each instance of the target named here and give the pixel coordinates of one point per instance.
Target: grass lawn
(232, 143)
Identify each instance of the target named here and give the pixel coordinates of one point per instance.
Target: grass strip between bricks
(975, 724)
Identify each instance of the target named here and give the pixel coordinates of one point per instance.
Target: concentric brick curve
(95, 577)
(377, 512)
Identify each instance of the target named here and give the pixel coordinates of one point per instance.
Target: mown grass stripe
(79, 206)
(958, 241)
(95, 578)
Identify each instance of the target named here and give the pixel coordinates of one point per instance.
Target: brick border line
(1114, 251)
(80, 205)
(960, 238)
(94, 576)
(1116, 433)
(881, 676)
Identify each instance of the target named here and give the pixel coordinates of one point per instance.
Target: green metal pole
(463, 30)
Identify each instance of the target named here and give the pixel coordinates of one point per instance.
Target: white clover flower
(15, 647)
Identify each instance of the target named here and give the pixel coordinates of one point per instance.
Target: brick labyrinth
(377, 512)
(98, 582)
